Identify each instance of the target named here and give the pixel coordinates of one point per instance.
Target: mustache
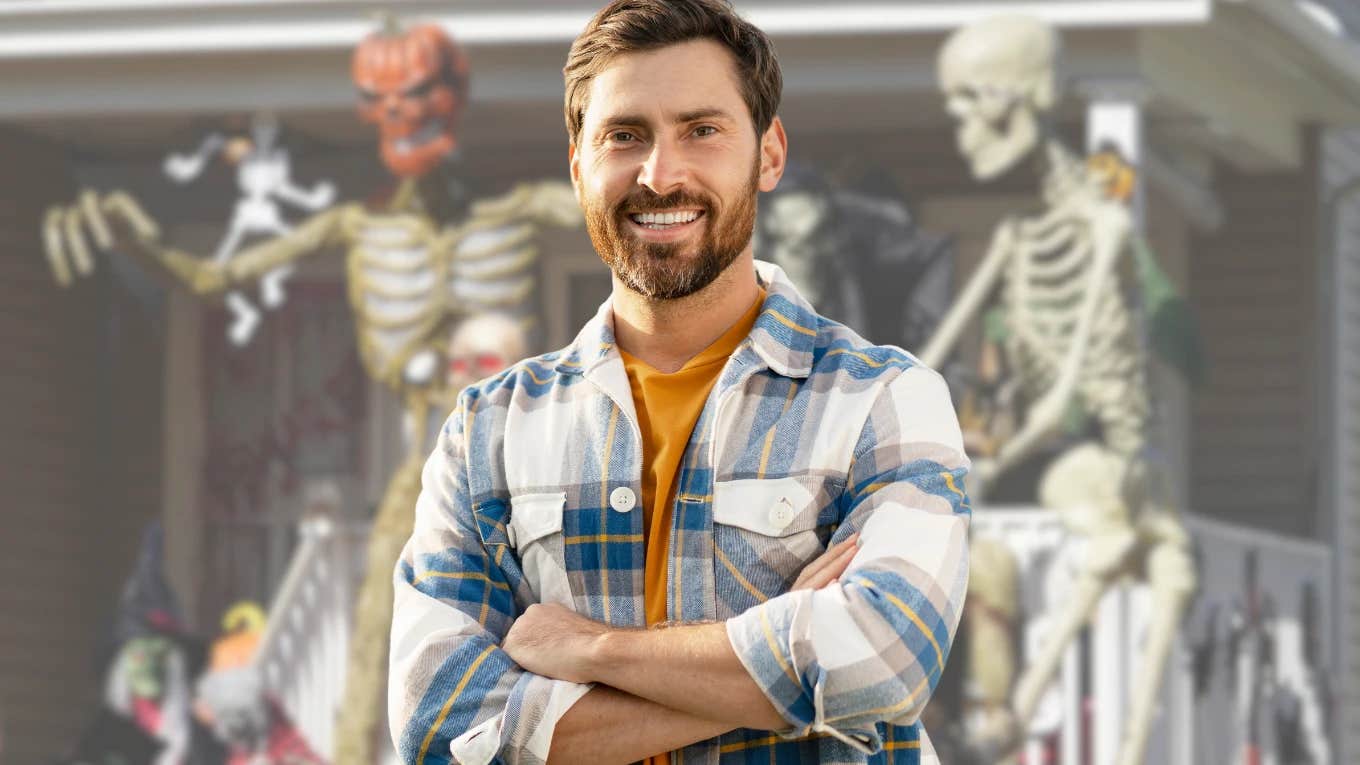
(643, 200)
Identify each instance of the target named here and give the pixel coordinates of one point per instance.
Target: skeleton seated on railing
(1070, 338)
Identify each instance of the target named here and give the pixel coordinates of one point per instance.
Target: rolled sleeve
(871, 647)
(454, 695)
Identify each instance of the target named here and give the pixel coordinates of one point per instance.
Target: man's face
(667, 167)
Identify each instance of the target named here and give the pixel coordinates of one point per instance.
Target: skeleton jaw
(429, 131)
(993, 148)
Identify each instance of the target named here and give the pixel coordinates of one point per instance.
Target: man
(708, 456)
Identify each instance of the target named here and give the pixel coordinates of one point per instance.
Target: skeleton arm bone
(970, 302)
(116, 220)
(183, 168)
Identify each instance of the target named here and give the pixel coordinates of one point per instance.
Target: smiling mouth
(428, 132)
(665, 221)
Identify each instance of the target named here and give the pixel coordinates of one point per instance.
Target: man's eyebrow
(693, 115)
(703, 114)
(624, 119)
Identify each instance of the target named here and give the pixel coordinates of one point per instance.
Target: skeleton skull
(999, 81)
(482, 346)
(412, 85)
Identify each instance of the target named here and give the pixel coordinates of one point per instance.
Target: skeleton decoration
(483, 346)
(859, 258)
(264, 177)
(415, 267)
(1067, 335)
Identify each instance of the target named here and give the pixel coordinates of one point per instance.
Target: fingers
(829, 566)
(122, 204)
(819, 563)
(56, 253)
(75, 240)
(89, 204)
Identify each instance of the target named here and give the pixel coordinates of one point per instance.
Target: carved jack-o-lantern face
(412, 85)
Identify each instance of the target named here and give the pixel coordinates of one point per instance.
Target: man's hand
(829, 566)
(553, 641)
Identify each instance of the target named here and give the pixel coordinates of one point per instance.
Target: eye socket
(420, 89)
(622, 136)
(703, 131)
(490, 363)
(368, 96)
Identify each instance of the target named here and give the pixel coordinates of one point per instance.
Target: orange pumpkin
(413, 85)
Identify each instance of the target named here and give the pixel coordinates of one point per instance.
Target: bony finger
(75, 240)
(94, 218)
(56, 251)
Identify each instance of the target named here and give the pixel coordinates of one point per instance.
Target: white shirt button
(781, 514)
(622, 499)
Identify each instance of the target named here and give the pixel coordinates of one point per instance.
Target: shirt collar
(784, 335)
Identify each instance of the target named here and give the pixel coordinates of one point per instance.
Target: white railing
(303, 653)
(1211, 727)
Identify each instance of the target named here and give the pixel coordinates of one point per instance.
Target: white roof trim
(32, 29)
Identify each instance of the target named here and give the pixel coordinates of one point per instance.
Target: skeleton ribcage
(1043, 291)
(407, 281)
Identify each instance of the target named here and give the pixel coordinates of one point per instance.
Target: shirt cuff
(764, 639)
(524, 730)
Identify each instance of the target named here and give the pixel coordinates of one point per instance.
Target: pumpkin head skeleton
(413, 85)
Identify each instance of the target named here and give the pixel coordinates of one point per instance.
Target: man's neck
(665, 334)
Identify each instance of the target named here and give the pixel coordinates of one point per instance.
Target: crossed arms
(862, 639)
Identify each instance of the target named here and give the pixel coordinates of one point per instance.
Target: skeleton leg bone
(244, 318)
(271, 286)
(1168, 606)
(1171, 575)
(1040, 672)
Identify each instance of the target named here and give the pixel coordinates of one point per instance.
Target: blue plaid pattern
(810, 434)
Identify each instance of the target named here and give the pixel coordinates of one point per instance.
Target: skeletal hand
(113, 219)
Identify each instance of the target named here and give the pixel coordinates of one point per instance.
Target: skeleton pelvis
(1092, 489)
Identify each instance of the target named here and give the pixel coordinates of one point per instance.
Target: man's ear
(574, 163)
(774, 151)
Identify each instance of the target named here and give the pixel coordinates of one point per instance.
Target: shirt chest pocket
(535, 534)
(764, 532)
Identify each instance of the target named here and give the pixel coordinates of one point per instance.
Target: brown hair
(630, 26)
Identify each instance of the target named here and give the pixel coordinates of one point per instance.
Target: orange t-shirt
(668, 406)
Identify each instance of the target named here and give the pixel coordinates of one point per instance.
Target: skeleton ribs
(1042, 290)
(407, 281)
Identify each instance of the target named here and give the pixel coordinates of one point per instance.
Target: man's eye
(705, 130)
(622, 136)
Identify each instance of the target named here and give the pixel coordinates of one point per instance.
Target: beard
(664, 271)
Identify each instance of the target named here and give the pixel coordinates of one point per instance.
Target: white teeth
(665, 219)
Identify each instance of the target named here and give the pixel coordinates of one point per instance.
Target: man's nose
(664, 170)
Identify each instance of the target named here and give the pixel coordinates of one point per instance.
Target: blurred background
(189, 479)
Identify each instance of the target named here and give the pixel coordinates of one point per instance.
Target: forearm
(610, 726)
(690, 668)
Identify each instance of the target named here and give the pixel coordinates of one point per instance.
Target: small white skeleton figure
(1072, 341)
(263, 174)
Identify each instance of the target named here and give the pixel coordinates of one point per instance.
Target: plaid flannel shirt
(809, 435)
